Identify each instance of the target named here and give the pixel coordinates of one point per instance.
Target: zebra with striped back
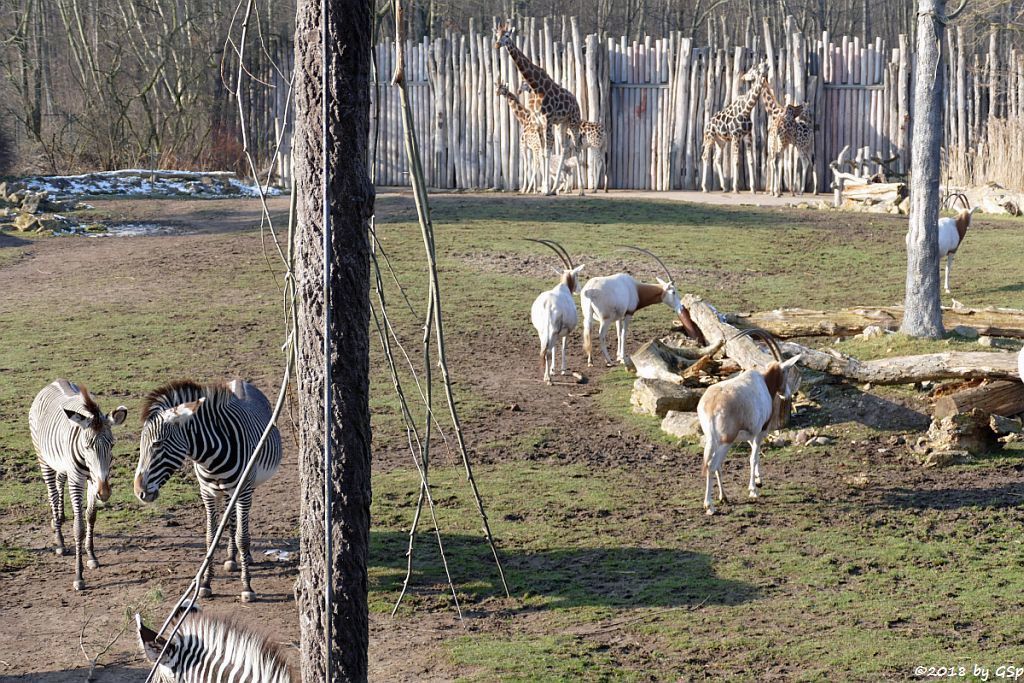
(74, 445)
(217, 427)
(209, 650)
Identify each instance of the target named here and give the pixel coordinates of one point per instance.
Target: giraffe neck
(748, 102)
(518, 110)
(771, 103)
(534, 75)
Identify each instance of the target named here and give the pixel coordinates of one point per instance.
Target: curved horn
(555, 247)
(653, 256)
(765, 336)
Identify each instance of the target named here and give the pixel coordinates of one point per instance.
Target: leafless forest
(124, 83)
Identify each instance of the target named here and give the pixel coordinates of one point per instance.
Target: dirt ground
(38, 609)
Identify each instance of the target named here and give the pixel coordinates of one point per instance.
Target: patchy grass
(614, 570)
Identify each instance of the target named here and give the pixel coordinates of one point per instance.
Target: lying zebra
(206, 649)
(74, 444)
(216, 426)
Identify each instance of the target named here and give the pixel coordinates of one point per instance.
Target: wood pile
(971, 415)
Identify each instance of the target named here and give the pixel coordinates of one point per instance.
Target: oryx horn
(653, 256)
(557, 248)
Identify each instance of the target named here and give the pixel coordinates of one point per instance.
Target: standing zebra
(207, 650)
(217, 426)
(73, 444)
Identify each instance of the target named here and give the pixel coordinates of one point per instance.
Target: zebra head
(163, 447)
(95, 441)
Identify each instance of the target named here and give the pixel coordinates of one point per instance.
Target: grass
(614, 571)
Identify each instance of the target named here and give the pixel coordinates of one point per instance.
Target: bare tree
(345, 137)
(923, 314)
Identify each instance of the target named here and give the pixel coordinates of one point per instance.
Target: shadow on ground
(119, 674)
(566, 577)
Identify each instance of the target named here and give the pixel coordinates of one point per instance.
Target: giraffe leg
(581, 154)
(719, 152)
(735, 163)
(560, 166)
(749, 149)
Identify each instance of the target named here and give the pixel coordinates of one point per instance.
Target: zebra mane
(231, 634)
(178, 392)
(92, 407)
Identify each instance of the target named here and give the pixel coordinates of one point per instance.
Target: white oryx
(615, 298)
(554, 312)
(744, 408)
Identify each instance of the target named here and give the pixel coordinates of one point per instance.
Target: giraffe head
(503, 90)
(503, 35)
(757, 73)
(794, 111)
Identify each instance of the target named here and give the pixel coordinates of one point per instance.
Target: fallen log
(876, 193)
(657, 360)
(800, 322)
(1002, 397)
(909, 369)
(743, 350)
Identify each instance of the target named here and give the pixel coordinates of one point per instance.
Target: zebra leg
(55, 492)
(230, 565)
(77, 487)
(242, 541)
(90, 523)
(210, 503)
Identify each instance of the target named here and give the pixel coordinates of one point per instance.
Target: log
(909, 369)
(877, 193)
(800, 322)
(1001, 397)
(658, 360)
(743, 350)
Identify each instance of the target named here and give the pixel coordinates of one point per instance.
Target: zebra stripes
(210, 650)
(217, 427)
(73, 444)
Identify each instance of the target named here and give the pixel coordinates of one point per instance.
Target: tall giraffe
(592, 135)
(559, 107)
(786, 127)
(731, 126)
(531, 142)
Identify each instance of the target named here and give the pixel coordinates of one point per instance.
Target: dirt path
(41, 616)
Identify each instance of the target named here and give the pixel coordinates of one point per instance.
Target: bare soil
(40, 614)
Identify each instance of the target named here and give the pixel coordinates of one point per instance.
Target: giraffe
(592, 135)
(731, 126)
(531, 147)
(558, 106)
(786, 127)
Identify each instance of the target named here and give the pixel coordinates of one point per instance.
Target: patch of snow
(143, 182)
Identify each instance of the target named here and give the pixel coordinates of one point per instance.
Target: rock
(819, 441)
(24, 222)
(777, 441)
(657, 397)
(968, 432)
(680, 424)
(859, 480)
(803, 437)
(946, 458)
(985, 340)
(50, 222)
(32, 202)
(1004, 425)
(871, 331)
(965, 331)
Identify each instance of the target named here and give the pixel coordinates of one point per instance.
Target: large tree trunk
(923, 315)
(351, 198)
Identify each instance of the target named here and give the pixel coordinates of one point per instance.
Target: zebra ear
(81, 420)
(151, 645)
(118, 415)
(182, 412)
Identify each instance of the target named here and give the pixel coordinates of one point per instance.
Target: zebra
(73, 444)
(207, 649)
(217, 426)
